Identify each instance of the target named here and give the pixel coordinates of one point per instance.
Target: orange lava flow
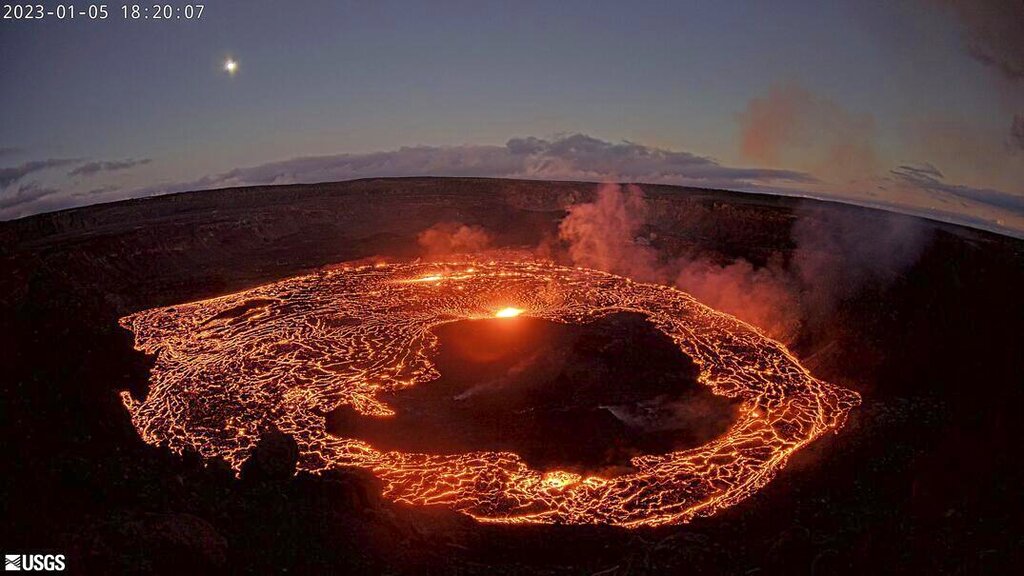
(286, 353)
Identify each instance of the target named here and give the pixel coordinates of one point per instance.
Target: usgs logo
(41, 562)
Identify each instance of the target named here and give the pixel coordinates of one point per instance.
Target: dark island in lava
(924, 476)
(581, 397)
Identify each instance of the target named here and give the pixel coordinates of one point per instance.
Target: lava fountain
(285, 354)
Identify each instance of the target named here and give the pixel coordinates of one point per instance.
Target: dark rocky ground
(925, 478)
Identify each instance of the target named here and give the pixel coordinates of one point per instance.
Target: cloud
(981, 156)
(97, 192)
(565, 157)
(579, 154)
(1017, 132)
(24, 194)
(917, 173)
(993, 33)
(33, 198)
(929, 179)
(12, 174)
(793, 127)
(569, 157)
(93, 168)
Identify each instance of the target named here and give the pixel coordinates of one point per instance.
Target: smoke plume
(835, 255)
(445, 238)
(790, 126)
(607, 234)
(763, 296)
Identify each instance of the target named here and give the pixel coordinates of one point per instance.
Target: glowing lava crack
(287, 353)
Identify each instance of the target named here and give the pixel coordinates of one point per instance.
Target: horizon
(935, 217)
(915, 106)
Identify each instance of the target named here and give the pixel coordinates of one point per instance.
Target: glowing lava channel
(287, 353)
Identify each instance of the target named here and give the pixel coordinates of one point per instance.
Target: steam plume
(606, 234)
(835, 255)
(446, 238)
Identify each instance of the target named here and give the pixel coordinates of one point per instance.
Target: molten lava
(508, 312)
(284, 354)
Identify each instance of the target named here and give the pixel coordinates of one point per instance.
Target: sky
(913, 105)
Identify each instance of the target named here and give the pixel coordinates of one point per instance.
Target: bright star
(230, 66)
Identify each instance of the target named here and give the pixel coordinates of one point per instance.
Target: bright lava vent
(508, 312)
(284, 354)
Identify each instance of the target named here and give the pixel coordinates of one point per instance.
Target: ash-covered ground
(922, 319)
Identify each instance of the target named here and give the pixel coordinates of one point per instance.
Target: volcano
(932, 351)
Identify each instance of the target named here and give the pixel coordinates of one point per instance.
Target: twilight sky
(912, 104)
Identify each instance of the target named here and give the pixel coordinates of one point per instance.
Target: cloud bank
(13, 174)
(574, 156)
(92, 168)
(579, 157)
(25, 193)
(928, 178)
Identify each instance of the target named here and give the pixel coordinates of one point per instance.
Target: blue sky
(846, 93)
